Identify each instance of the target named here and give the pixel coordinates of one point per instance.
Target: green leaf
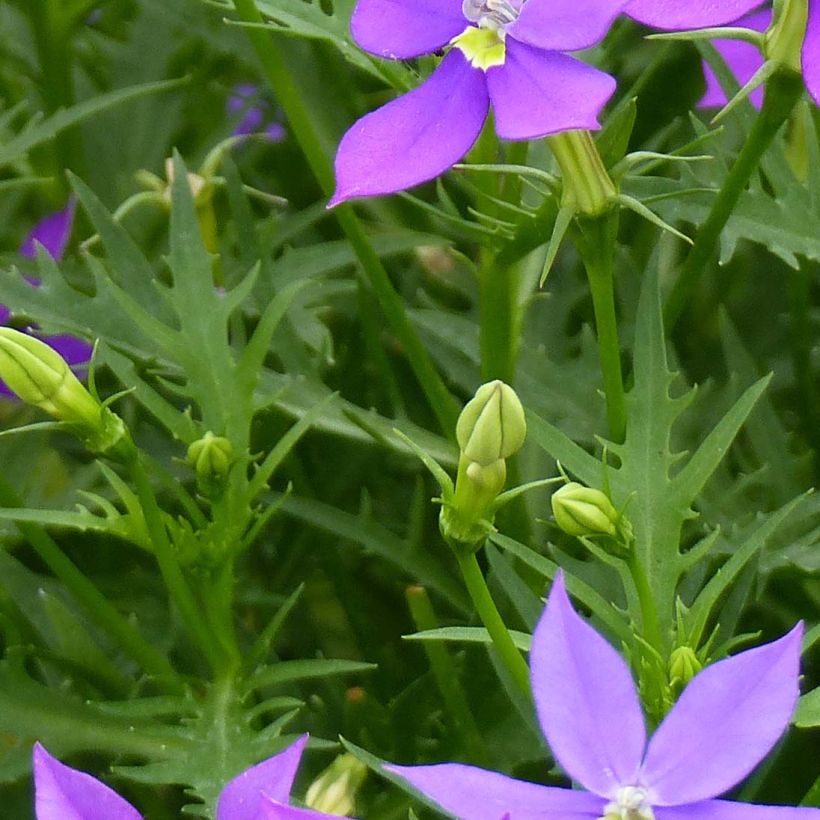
(807, 715)
(288, 672)
(468, 634)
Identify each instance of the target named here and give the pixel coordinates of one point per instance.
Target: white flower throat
(492, 14)
(630, 803)
(482, 43)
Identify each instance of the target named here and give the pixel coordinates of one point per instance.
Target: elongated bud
(683, 666)
(210, 458)
(40, 376)
(580, 510)
(492, 424)
(334, 790)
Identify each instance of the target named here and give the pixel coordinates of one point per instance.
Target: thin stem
(444, 671)
(490, 617)
(92, 600)
(172, 574)
(783, 90)
(595, 240)
(649, 612)
(289, 96)
(498, 327)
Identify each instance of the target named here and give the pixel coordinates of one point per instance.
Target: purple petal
(274, 810)
(586, 699)
(565, 25)
(398, 29)
(63, 793)
(415, 138)
(466, 791)
(811, 52)
(726, 810)
(250, 123)
(52, 232)
(688, 14)
(725, 722)
(75, 351)
(537, 92)
(743, 60)
(241, 797)
(276, 132)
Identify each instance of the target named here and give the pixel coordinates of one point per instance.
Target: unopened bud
(580, 510)
(492, 424)
(683, 666)
(39, 375)
(210, 458)
(334, 790)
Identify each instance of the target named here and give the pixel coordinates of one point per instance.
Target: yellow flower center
(483, 47)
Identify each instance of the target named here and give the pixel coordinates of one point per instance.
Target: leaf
(284, 673)
(468, 634)
(807, 715)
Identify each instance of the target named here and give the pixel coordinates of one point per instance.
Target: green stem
(290, 98)
(490, 617)
(595, 240)
(649, 612)
(172, 574)
(444, 671)
(783, 90)
(498, 327)
(91, 599)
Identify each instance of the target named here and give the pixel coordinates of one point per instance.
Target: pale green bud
(683, 666)
(580, 510)
(210, 458)
(334, 790)
(492, 424)
(40, 376)
(784, 39)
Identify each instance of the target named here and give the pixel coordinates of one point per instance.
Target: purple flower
(727, 719)
(253, 114)
(693, 14)
(53, 233)
(508, 52)
(259, 793)
(743, 60)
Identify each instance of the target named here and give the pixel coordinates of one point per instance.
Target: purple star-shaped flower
(727, 719)
(692, 14)
(52, 233)
(508, 52)
(259, 793)
(743, 60)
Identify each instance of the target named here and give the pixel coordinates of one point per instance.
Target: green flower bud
(580, 510)
(40, 376)
(492, 424)
(334, 790)
(683, 666)
(210, 458)
(784, 39)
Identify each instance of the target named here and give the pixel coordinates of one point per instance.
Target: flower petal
(273, 778)
(399, 30)
(537, 92)
(586, 699)
(724, 724)
(274, 810)
(743, 59)
(477, 794)
(52, 232)
(674, 14)
(565, 25)
(726, 810)
(811, 52)
(415, 138)
(63, 793)
(75, 351)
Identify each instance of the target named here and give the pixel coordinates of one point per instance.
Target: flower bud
(334, 790)
(492, 424)
(40, 376)
(683, 666)
(210, 458)
(580, 510)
